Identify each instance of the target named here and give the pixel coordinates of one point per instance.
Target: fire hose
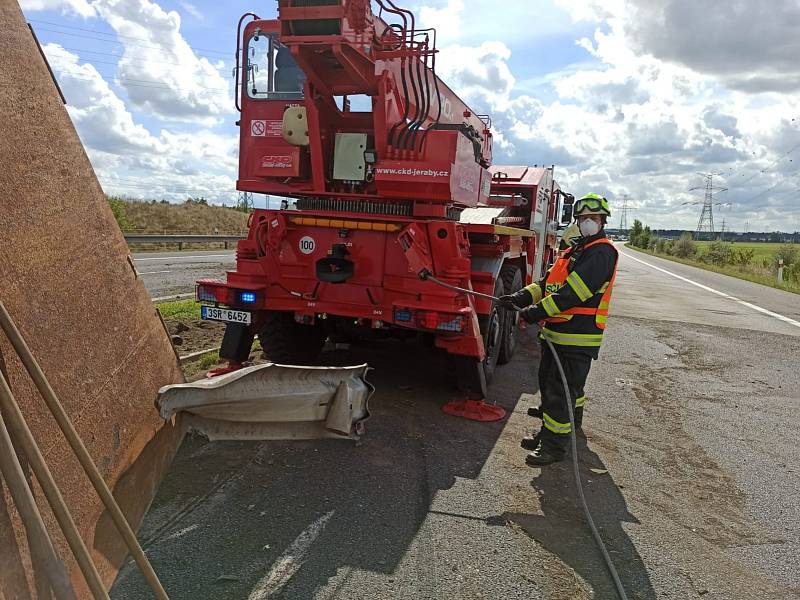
(427, 276)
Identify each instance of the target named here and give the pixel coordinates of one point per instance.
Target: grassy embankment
(139, 216)
(758, 269)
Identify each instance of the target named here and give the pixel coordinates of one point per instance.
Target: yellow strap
(579, 402)
(549, 306)
(535, 290)
(572, 339)
(579, 286)
(555, 426)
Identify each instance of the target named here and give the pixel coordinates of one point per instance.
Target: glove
(517, 300)
(529, 315)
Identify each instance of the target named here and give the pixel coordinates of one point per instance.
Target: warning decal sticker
(258, 127)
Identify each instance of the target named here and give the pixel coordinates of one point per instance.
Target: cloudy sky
(622, 97)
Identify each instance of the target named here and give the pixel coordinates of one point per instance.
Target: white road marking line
(290, 561)
(718, 293)
(152, 272)
(232, 255)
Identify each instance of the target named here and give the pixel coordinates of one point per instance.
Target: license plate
(211, 313)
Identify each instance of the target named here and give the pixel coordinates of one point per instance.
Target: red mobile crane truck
(391, 196)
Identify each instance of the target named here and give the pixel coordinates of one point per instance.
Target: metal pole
(28, 443)
(75, 442)
(43, 555)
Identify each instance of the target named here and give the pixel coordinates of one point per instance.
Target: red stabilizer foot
(474, 410)
(229, 368)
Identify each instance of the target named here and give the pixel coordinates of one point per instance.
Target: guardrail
(156, 238)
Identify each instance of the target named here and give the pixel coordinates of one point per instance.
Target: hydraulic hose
(425, 275)
(579, 486)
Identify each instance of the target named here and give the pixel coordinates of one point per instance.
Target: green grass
(761, 250)
(204, 363)
(752, 273)
(180, 309)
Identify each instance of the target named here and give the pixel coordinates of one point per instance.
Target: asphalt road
(691, 411)
(170, 273)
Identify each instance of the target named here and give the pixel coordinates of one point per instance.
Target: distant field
(757, 271)
(760, 249)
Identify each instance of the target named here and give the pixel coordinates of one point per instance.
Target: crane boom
(417, 149)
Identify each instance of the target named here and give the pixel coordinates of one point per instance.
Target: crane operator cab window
(272, 72)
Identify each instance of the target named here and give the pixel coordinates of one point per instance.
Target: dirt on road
(194, 335)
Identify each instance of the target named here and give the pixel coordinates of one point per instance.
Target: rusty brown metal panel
(68, 282)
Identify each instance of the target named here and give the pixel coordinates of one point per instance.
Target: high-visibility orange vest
(557, 277)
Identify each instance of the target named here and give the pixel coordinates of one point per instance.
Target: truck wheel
(492, 330)
(512, 282)
(285, 341)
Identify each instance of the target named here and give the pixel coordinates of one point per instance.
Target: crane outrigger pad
(273, 402)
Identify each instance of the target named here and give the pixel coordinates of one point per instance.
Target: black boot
(535, 411)
(542, 456)
(531, 443)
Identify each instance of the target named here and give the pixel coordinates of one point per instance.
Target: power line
(142, 83)
(775, 162)
(127, 58)
(115, 34)
(166, 189)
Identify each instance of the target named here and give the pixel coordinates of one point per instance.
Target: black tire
(512, 282)
(492, 331)
(285, 341)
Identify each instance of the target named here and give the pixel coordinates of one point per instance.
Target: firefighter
(571, 306)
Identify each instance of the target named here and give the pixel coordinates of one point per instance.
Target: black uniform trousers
(555, 418)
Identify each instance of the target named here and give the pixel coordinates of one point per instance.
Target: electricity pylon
(623, 217)
(707, 214)
(246, 200)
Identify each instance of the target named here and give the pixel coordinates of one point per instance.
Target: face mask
(589, 227)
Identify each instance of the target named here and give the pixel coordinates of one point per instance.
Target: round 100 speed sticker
(307, 244)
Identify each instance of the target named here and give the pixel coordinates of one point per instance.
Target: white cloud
(446, 19)
(100, 116)
(129, 159)
(192, 10)
(160, 72)
(81, 8)
(644, 122)
(640, 116)
(477, 71)
(751, 46)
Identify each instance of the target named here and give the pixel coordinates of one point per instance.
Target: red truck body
(386, 200)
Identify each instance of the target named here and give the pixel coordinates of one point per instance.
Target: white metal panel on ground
(271, 401)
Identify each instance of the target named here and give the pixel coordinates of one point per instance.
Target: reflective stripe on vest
(559, 275)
